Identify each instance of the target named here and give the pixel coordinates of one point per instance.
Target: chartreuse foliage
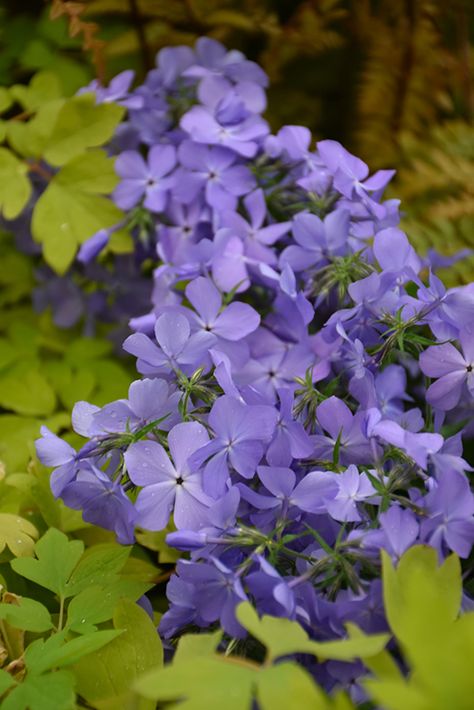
(44, 370)
(422, 602)
(58, 139)
(87, 607)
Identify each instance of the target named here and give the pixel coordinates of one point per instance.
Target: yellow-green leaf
(15, 188)
(73, 208)
(17, 534)
(81, 124)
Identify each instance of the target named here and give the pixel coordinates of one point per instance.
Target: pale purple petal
(148, 463)
(183, 440)
(205, 298)
(446, 392)
(172, 330)
(333, 415)
(155, 504)
(439, 360)
(161, 160)
(313, 492)
(236, 321)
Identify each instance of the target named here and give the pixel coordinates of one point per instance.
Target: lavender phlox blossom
(214, 170)
(268, 372)
(450, 508)
(454, 368)
(213, 59)
(447, 311)
(386, 390)
(230, 262)
(417, 446)
(218, 591)
(148, 400)
(450, 456)
(216, 92)
(398, 531)
(233, 322)
(316, 239)
(290, 440)
(352, 355)
(182, 609)
(310, 495)
(293, 143)
(353, 488)
(93, 246)
(149, 179)
(240, 434)
(241, 136)
(344, 428)
(53, 451)
(102, 502)
(395, 254)
(253, 231)
(172, 63)
(223, 374)
(270, 590)
(287, 284)
(374, 296)
(168, 484)
(118, 91)
(350, 176)
(189, 224)
(176, 348)
(221, 517)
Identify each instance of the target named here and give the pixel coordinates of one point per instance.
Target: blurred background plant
(393, 81)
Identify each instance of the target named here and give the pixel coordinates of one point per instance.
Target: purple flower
(150, 179)
(417, 446)
(53, 451)
(218, 591)
(386, 391)
(316, 239)
(234, 322)
(398, 531)
(176, 348)
(394, 252)
(118, 91)
(335, 417)
(148, 401)
(353, 487)
(454, 369)
(271, 592)
(102, 502)
(213, 169)
(310, 495)
(253, 231)
(241, 136)
(240, 432)
(169, 485)
(214, 59)
(93, 246)
(450, 507)
(290, 440)
(182, 610)
(351, 175)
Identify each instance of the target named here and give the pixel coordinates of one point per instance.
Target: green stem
(61, 613)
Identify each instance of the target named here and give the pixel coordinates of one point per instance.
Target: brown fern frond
(77, 26)
(404, 83)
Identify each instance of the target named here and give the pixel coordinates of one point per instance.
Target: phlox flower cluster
(306, 378)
